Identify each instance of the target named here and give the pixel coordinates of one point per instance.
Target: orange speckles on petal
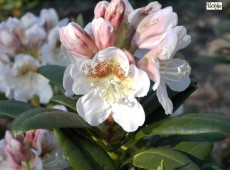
(105, 69)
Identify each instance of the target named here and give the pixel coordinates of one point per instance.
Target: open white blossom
(109, 86)
(24, 82)
(163, 69)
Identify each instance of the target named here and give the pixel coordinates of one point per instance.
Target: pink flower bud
(115, 12)
(100, 9)
(9, 41)
(137, 15)
(103, 33)
(77, 41)
(154, 24)
(15, 150)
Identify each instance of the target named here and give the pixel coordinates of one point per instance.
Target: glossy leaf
(13, 108)
(83, 153)
(153, 109)
(224, 26)
(2, 96)
(152, 158)
(196, 151)
(188, 124)
(54, 73)
(42, 118)
(175, 139)
(66, 101)
(211, 60)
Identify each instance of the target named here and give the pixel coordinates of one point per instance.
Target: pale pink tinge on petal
(15, 150)
(115, 12)
(137, 15)
(50, 16)
(100, 9)
(151, 66)
(130, 57)
(166, 47)
(103, 33)
(77, 41)
(155, 24)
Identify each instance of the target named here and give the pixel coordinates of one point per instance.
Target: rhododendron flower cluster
(25, 45)
(121, 50)
(36, 149)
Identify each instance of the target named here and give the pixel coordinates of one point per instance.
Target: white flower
(51, 51)
(4, 70)
(109, 85)
(163, 69)
(24, 82)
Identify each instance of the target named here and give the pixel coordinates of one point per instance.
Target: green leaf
(80, 20)
(66, 101)
(152, 158)
(13, 108)
(188, 124)
(196, 151)
(54, 73)
(211, 60)
(42, 118)
(175, 139)
(224, 26)
(83, 153)
(153, 109)
(2, 96)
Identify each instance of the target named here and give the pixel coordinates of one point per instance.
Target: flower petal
(151, 67)
(112, 53)
(103, 33)
(165, 48)
(141, 81)
(129, 117)
(175, 73)
(183, 38)
(154, 24)
(82, 84)
(93, 109)
(68, 81)
(163, 98)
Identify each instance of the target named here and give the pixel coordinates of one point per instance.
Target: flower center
(175, 72)
(110, 81)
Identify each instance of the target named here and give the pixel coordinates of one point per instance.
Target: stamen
(173, 73)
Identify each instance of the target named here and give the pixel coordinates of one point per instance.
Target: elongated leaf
(175, 139)
(224, 26)
(42, 118)
(188, 124)
(211, 60)
(2, 96)
(152, 158)
(154, 111)
(66, 101)
(83, 153)
(196, 151)
(54, 73)
(13, 108)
